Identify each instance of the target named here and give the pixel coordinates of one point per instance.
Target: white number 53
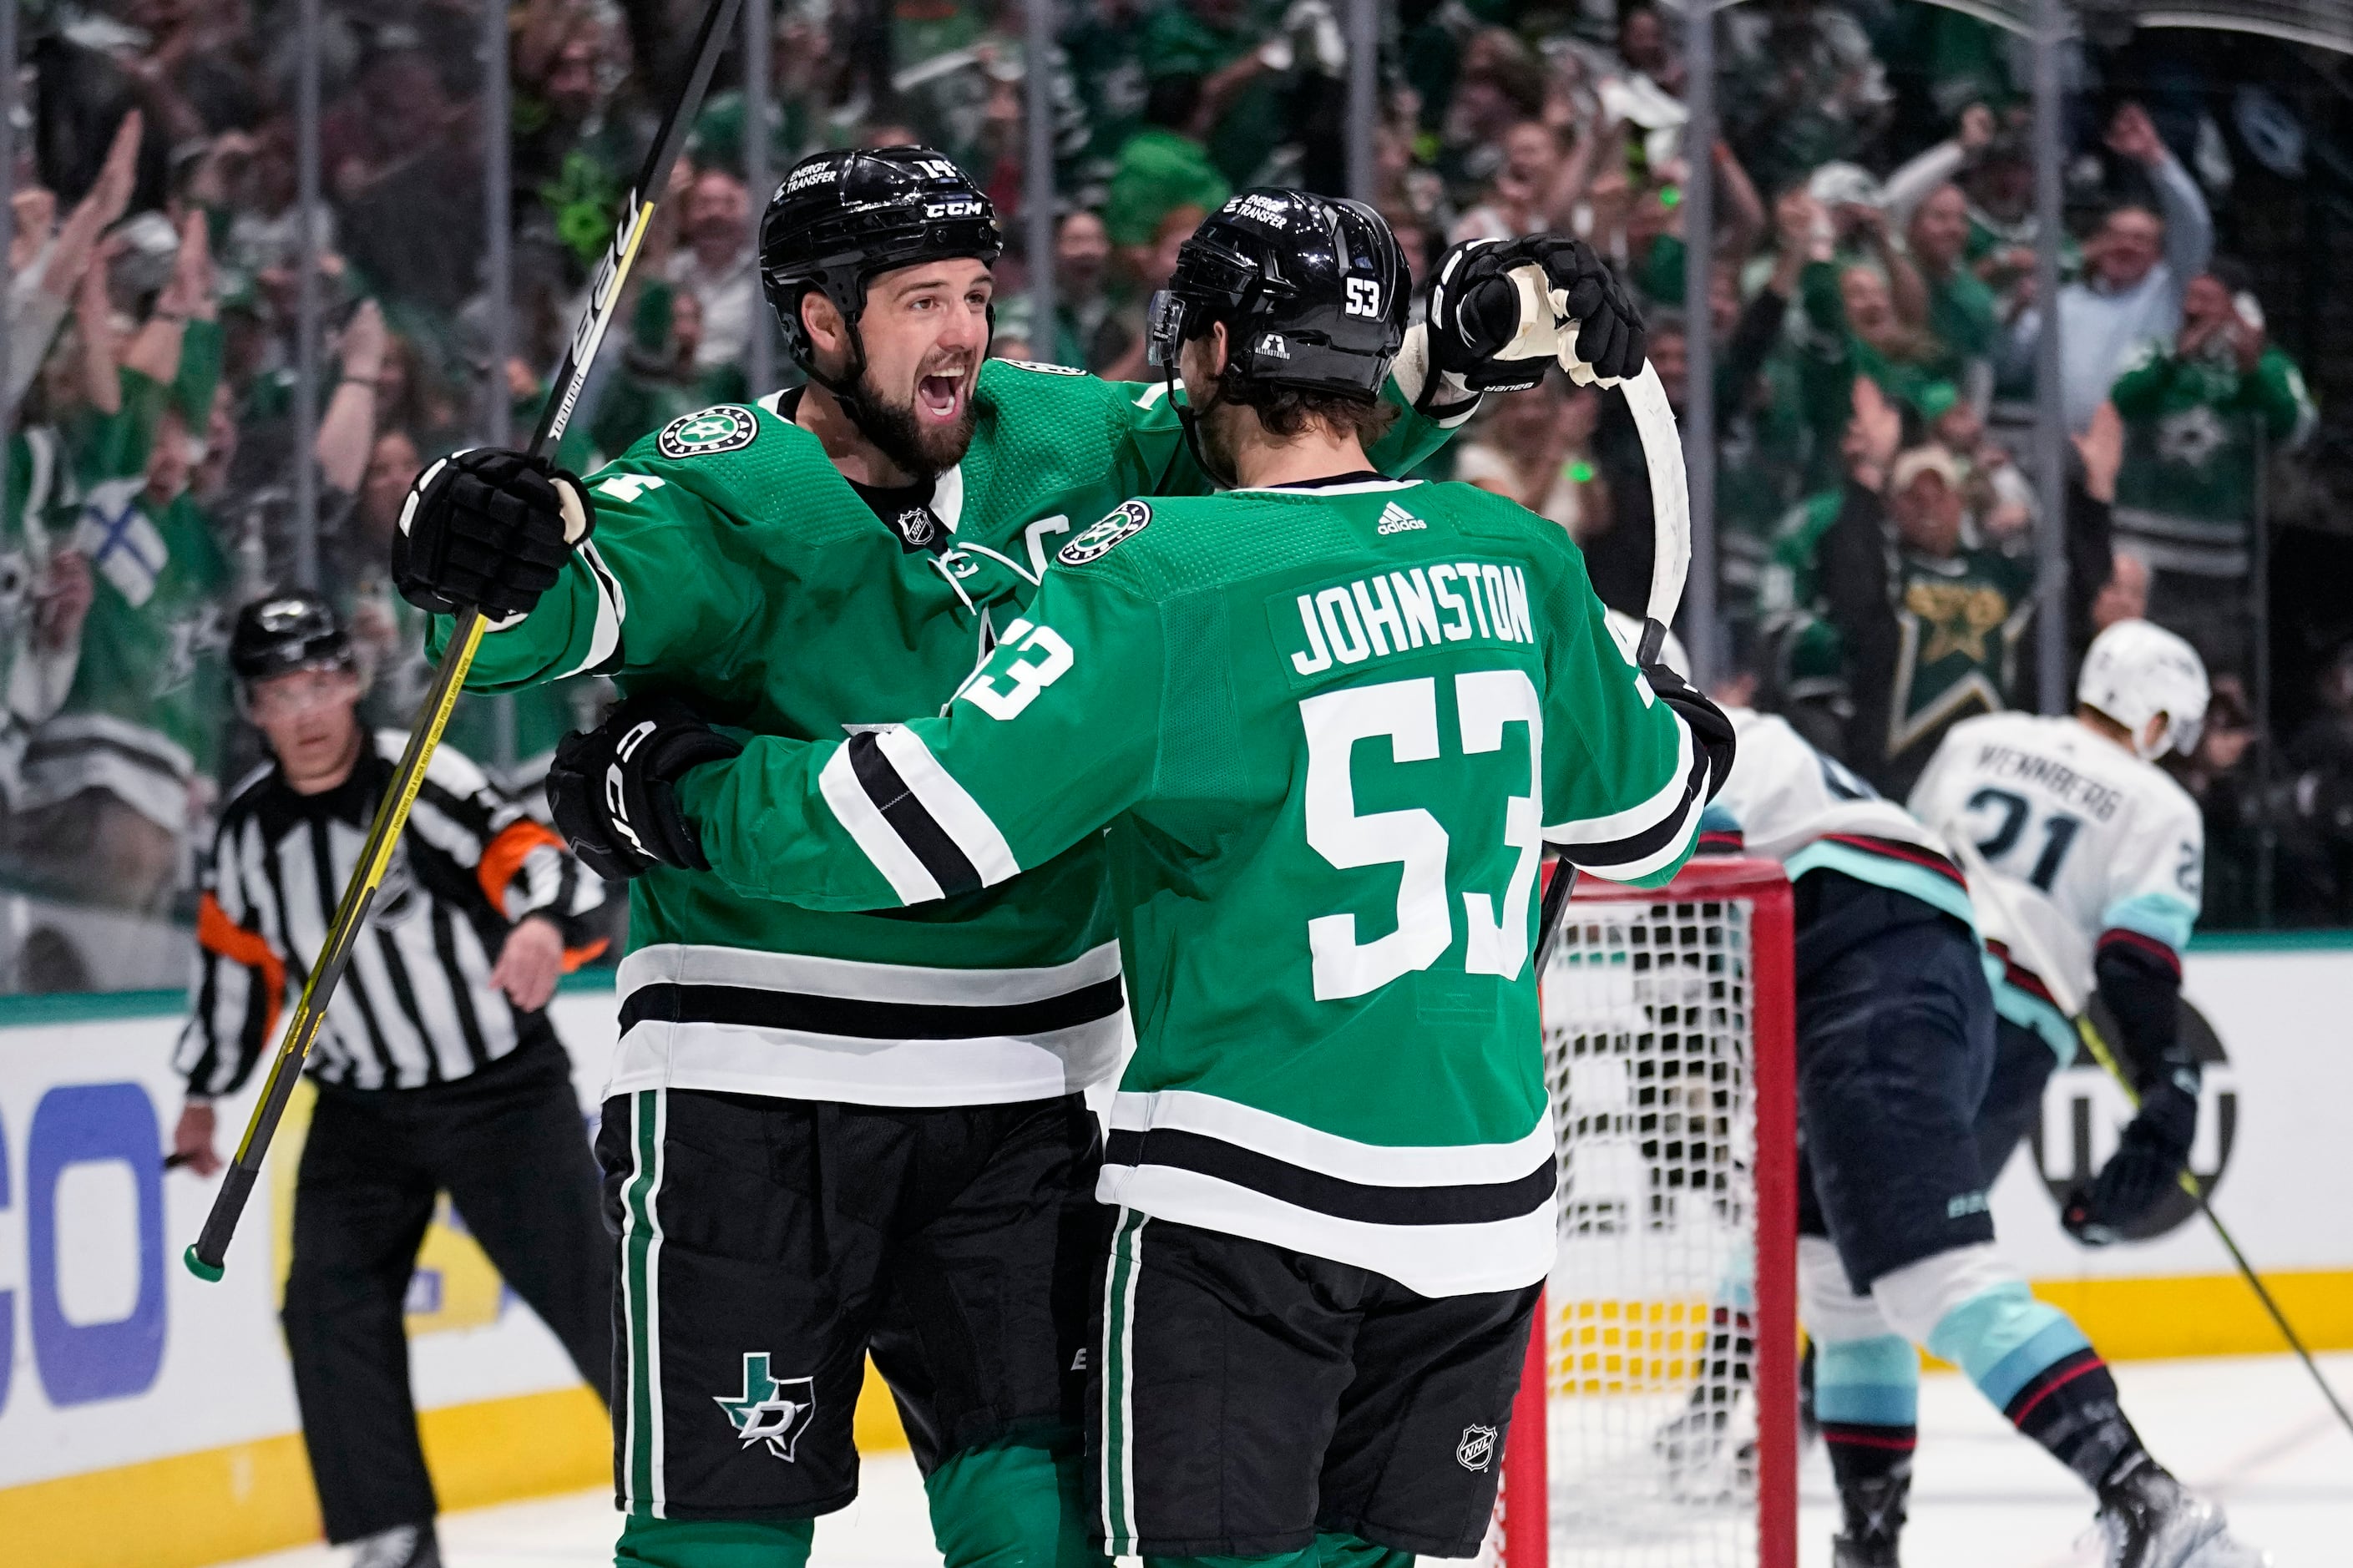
(1406, 712)
(1025, 676)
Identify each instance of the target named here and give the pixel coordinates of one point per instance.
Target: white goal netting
(1650, 1327)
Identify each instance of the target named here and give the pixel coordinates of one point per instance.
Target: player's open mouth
(940, 396)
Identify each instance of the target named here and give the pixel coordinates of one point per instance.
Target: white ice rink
(2250, 1431)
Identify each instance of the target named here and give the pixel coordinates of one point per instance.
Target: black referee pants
(509, 1145)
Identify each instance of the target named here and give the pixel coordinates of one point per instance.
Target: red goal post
(1657, 1420)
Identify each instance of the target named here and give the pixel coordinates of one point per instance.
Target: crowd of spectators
(1870, 310)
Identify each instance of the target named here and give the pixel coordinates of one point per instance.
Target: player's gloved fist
(2146, 1165)
(490, 529)
(613, 790)
(1610, 334)
(1483, 328)
(1712, 732)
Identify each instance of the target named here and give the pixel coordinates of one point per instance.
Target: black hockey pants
(509, 1145)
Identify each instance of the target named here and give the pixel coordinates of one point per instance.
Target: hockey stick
(206, 1256)
(1663, 455)
(2063, 995)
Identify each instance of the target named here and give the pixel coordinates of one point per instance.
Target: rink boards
(148, 1419)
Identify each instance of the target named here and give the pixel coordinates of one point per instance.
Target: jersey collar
(946, 503)
(1363, 481)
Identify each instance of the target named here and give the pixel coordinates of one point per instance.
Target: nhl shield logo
(1101, 539)
(725, 429)
(775, 1411)
(1476, 1451)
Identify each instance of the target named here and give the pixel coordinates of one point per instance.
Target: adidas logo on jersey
(1395, 518)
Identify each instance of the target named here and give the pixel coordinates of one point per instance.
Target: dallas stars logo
(725, 429)
(769, 1410)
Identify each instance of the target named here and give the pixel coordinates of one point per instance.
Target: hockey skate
(2148, 1519)
(403, 1546)
(1874, 1522)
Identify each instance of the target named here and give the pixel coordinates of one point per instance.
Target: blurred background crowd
(429, 183)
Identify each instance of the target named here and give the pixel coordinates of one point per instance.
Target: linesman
(436, 1068)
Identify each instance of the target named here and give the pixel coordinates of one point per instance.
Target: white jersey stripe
(1435, 1259)
(1296, 1143)
(959, 815)
(908, 876)
(1634, 819)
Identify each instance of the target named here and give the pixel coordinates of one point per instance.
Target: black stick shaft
(208, 1256)
(2262, 1294)
(1550, 912)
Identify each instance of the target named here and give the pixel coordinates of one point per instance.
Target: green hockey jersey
(2197, 429)
(732, 564)
(1330, 729)
(150, 700)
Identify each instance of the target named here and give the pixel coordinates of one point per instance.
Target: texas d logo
(770, 1411)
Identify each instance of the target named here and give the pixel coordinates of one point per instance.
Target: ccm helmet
(2135, 671)
(841, 220)
(1312, 292)
(284, 632)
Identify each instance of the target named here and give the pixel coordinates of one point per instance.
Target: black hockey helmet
(284, 632)
(841, 220)
(1312, 290)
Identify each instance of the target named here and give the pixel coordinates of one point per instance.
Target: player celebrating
(2100, 854)
(1895, 1240)
(1330, 721)
(832, 1132)
(436, 1068)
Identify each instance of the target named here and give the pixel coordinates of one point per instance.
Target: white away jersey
(1787, 802)
(2093, 845)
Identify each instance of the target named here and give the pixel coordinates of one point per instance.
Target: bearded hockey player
(833, 1134)
(2101, 853)
(1895, 1041)
(1330, 721)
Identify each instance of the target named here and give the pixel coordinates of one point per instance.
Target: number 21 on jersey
(1405, 712)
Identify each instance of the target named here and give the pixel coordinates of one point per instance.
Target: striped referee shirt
(416, 1005)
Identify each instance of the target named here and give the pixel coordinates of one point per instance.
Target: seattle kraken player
(2101, 854)
(1896, 1248)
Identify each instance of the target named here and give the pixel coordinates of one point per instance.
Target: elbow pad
(2140, 980)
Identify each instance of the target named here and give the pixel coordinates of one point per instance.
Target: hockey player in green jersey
(828, 1132)
(1330, 721)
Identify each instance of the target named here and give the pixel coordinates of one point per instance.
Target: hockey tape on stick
(2062, 992)
(207, 1256)
(1662, 456)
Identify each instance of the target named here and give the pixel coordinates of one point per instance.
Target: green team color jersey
(2197, 429)
(1330, 729)
(150, 696)
(732, 564)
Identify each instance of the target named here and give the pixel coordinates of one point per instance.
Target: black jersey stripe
(461, 996)
(749, 1007)
(1652, 839)
(1479, 1204)
(921, 832)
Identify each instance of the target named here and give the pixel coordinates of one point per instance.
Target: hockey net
(1656, 1426)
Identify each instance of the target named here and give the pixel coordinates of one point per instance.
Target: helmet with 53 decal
(1312, 292)
(841, 219)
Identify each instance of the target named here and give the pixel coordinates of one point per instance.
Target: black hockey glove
(2146, 1165)
(1610, 333)
(1475, 321)
(1712, 732)
(614, 793)
(487, 528)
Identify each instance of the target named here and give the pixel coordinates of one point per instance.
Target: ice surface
(2250, 1431)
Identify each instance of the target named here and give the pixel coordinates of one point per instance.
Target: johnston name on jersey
(734, 564)
(2094, 845)
(1331, 728)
